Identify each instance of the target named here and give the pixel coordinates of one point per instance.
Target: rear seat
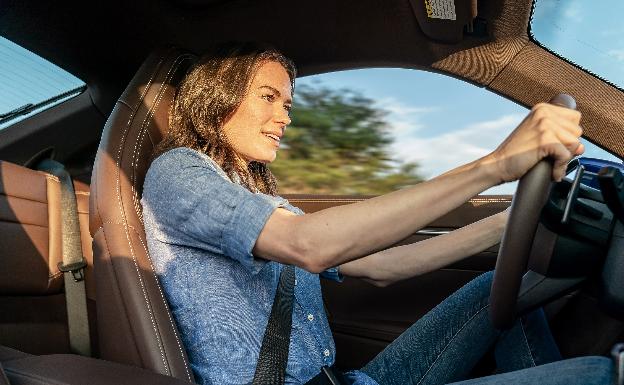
(33, 319)
(33, 316)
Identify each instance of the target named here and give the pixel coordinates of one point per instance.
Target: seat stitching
(136, 151)
(449, 342)
(142, 132)
(139, 138)
(175, 332)
(118, 192)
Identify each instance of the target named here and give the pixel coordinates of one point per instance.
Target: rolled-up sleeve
(232, 221)
(195, 206)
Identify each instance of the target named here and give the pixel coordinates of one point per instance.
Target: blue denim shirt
(201, 228)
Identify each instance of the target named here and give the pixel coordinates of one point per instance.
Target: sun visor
(445, 20)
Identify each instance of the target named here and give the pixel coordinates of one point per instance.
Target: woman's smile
(275, 139)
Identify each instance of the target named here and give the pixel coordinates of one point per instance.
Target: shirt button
(295, 281)
(310, 317)
(326, 353)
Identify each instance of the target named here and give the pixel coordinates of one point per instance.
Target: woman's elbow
(311, 257)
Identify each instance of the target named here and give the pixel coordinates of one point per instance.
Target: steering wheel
(517, 240)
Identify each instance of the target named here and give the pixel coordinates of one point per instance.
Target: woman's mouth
(274, 138)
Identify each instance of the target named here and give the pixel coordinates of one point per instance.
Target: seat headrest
(137, 123)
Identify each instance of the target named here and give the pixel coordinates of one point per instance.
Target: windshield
(587, 33)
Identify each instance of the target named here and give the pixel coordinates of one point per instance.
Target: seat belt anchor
(617, 353)
(76, 268)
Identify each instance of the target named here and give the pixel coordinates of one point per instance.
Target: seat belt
(271, 366)
(73, 263)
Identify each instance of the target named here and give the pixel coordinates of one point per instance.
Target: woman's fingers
(560, 154)
(547, 130)
(570, 141)
(547, 109)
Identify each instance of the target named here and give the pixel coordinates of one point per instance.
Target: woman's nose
(283, 117)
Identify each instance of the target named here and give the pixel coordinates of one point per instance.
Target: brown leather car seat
(33, 315)
(135, 326)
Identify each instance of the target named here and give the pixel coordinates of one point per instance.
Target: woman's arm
(338, 235)
(391, 265)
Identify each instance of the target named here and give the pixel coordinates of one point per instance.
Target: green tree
(339, 143)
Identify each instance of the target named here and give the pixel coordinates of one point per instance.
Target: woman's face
(255, 129)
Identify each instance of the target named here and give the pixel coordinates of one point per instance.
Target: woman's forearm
(340, 234)
(391, 265)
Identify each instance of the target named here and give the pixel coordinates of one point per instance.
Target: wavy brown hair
(208, 95)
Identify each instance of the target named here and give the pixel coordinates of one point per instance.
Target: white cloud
(573, 12)
(438, 154)
(404, 119)
(395, 107)
(618, 54)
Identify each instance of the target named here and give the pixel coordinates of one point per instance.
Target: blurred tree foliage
(338, 143)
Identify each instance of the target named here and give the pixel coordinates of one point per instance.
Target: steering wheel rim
(513, 254)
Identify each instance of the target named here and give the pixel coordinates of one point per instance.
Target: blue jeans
(445, 345)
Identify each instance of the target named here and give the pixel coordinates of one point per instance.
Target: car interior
(132, 55)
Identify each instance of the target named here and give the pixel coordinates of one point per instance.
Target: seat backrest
(135, 326)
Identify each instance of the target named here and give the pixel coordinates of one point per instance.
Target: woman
(220, 236)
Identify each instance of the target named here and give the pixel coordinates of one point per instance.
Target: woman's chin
(269, 158)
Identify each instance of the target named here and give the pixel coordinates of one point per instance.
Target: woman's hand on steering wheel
(547, 131)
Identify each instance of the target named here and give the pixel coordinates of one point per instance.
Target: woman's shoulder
(182, 168)
(175, 161)
(183, 156)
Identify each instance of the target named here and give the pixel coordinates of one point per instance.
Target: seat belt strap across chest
(271, 366)
(73, 264)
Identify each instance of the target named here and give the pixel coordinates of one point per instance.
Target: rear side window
(30, 84)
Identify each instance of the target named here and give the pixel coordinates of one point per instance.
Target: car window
(30, 84)
(372, 131)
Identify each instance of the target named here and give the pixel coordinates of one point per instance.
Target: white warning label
(441, 9)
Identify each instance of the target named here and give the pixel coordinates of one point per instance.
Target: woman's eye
(269, 97)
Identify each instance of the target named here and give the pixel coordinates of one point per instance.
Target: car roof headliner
(103, 43)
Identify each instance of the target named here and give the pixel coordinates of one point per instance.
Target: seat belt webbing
(271, 366)
(73, 261)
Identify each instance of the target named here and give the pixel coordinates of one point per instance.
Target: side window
(30, 84)
(372, 131)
